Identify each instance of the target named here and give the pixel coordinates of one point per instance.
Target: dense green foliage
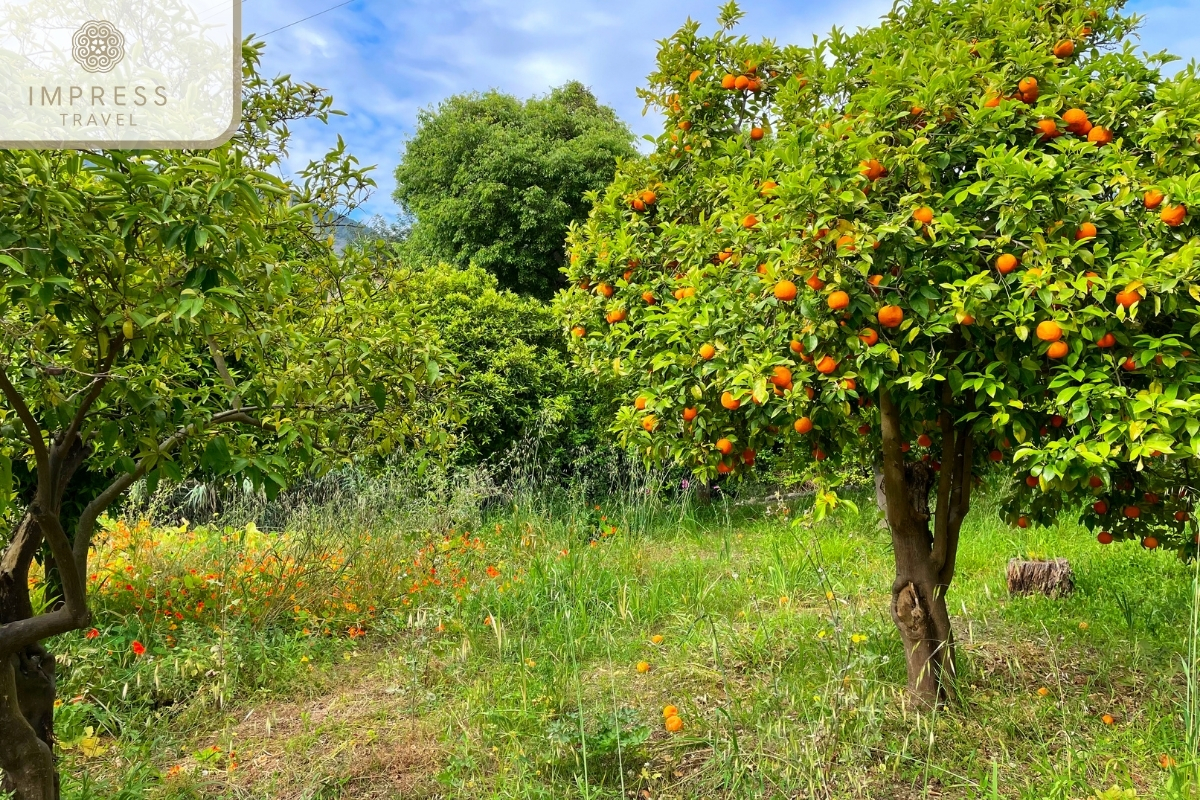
(495, 181)
(897, 171)
(514, 382)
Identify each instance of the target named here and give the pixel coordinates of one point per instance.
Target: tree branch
(87, 520)
(899, 511)
(40, 451)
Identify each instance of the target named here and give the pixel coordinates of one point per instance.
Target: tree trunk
(925, 556)
(27, 761)
(27, 682)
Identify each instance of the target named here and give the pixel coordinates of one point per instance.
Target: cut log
(1051, 578)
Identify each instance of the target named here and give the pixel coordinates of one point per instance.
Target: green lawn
(776, 647)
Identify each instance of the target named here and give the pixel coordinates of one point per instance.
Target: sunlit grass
(518, 676)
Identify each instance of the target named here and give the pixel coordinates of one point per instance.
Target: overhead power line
(306, 18)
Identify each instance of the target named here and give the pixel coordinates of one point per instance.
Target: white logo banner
(119, 73)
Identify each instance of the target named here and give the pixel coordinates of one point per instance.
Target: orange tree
(164, 312)
(955, 240)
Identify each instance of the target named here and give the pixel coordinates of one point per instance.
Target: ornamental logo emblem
(98, 46)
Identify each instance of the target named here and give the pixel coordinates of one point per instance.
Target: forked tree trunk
(925, 553)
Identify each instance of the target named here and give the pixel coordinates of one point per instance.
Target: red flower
(138, 648)
(92, 634)
(493, 572)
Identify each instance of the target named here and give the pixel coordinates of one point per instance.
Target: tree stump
(1051, 578)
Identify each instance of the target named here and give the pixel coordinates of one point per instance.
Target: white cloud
(383, 60)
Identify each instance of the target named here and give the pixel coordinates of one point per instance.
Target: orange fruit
(649, 197)
(996, 456)
(781, 377)
(1006, 263)
(649, 423)
(923, 215)
(605, 290)
(578, 331)
(1023, 522)
(1128, 297)
(695, 74)
(826, 365)
(724, 468)
(1095, 481)
(869, 337)
(1153, 198)
(643, 666)
(890, 316)
(707, 351)
(1129, 365)
(637, 204)
(648, 298)
(1132, 512)
(1031, 482)
(1058, 350)
(785, 291)
(728, 82)
(1150, 543)
(819, 454)
(796, 347)
(1106, 341)
(1048, 128)
(1086, 231)
(757, 133)
(1100, 507)
(741, 83)
(748, 457)
(1077, 120)
(1028, 86)
(767, 187)
(640, 404)
(1173, 216)
(992, 100)
(924, 440)
(730, 402)
(838, 300)
(803, 425)
(1104, 537)
(875, 280)
(847, 242)
(616, 316)
(849, 384)
(674, 724)
(690, 414)
(872, 170)
(1107, 719)
(685, 125)
(1100, 135)
(724, 446)
(670, 711)
(967, 320)
(1064, 49)
(1049, 331)
(814, 283)
(749, 221)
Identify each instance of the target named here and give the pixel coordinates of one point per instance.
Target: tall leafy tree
(495, 181)
(162, 311)
(963, 239)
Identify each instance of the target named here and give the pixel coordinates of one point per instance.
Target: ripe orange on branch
(785, 291)
(838, 300)
(890, 316)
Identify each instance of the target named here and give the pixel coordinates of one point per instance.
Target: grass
(511, 672)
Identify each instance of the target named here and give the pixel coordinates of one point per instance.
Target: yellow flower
(829, 595)
(821, 634)
(1043, 691)
(858, 638)
(529, 662)
(783, 601)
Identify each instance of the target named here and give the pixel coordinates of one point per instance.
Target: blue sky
(383, 60)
